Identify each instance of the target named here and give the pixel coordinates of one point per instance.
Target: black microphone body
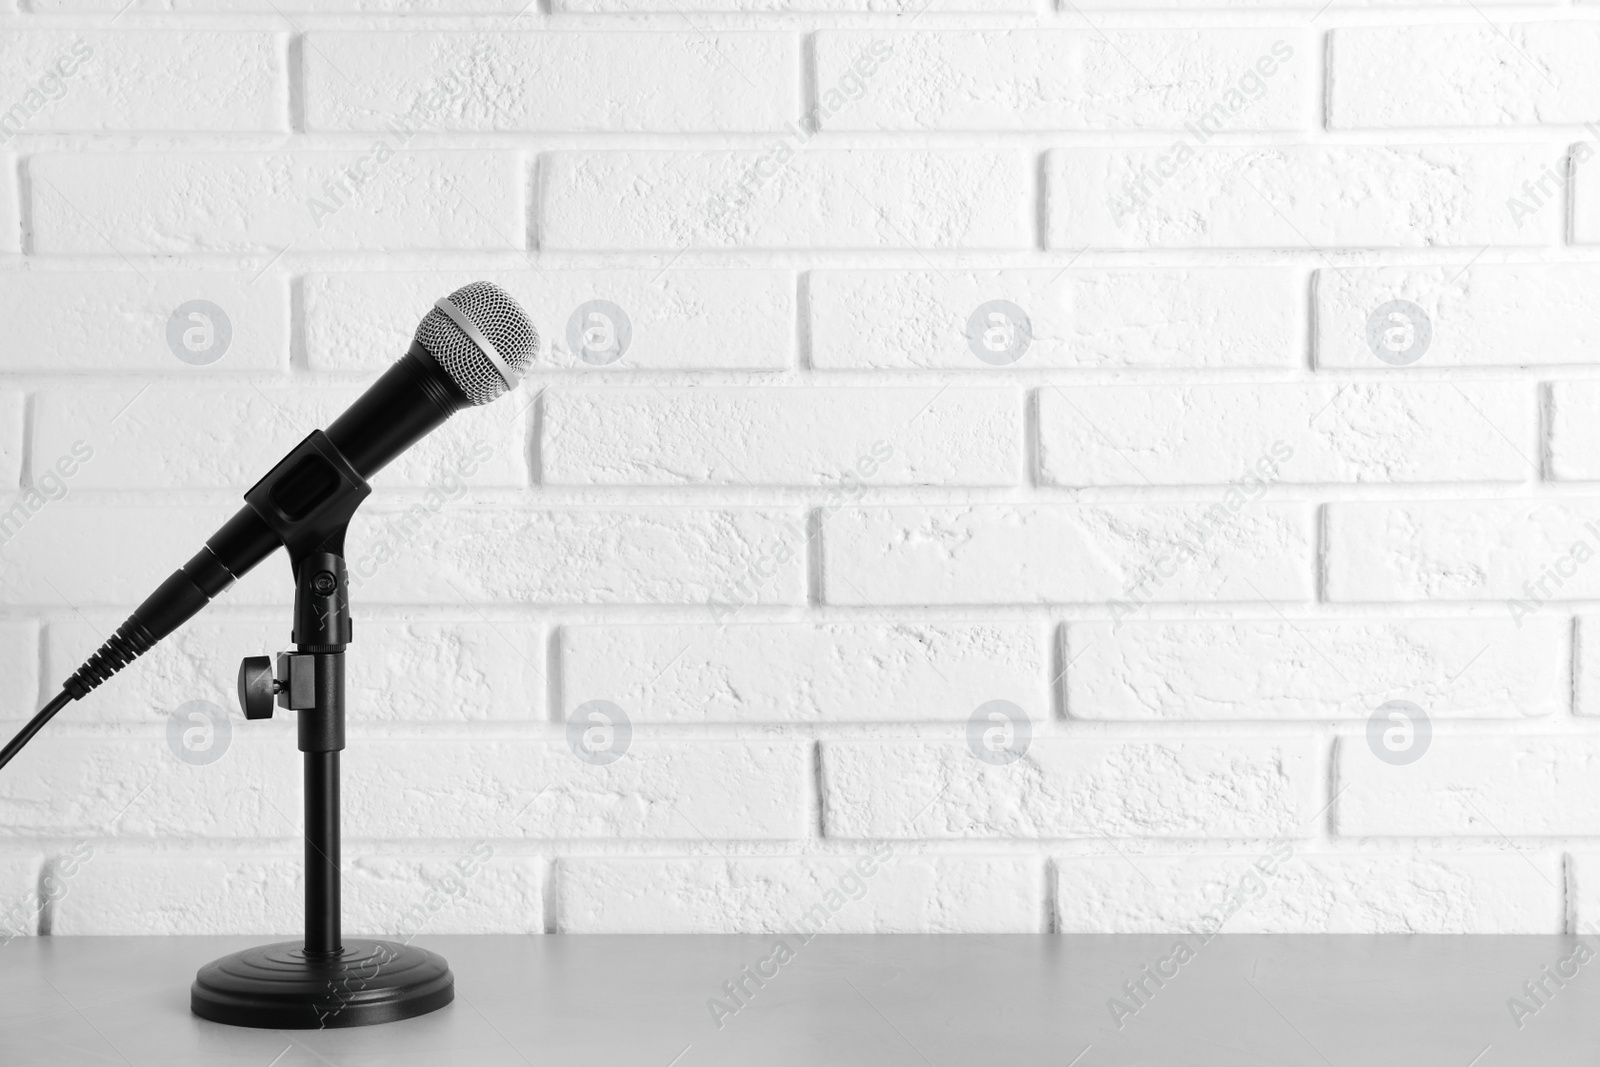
(412, 399)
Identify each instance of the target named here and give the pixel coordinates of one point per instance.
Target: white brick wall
(1196, 787)
(1462, 75)
(822, 198)
(1488, 315)
(1194, 378)
(664, 82)
(1316, 669)
(110, 320)
(19, 658)
(13, 432)
(135, 79)
(1214, 434)
(175, 203)
(1051, 80)
(910, 894)
(1083, 319)
(781, 436)
(1067, 554)
(1296, 196)
(1312, 892)
(832, 672)
(10, 220)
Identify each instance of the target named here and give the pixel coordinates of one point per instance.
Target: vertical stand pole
(323, 936)
(322, 629)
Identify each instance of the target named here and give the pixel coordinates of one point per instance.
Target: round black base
(279, 987)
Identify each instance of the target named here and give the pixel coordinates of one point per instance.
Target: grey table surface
(922, 1001)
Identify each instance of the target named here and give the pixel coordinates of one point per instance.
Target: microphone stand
(324, 981)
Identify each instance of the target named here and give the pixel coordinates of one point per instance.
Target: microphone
(471, 348)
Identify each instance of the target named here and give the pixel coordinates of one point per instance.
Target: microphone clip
(309, 498)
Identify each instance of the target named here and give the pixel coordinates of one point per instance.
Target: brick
(1511, 550)
(1011, 554)
(1308, 892)
(170, 437)
(832, 672)
(68, 784)
(1293, 196)
(1471, 786)
(10, 222)
(61, 322)
(579, 81)
(123, 894)
(820, 198)
(133, 203)
(1314, 5)
(1506, 315)
(900, 894)
(441, 553)
(1087, 319)
(396, 671)
(1586, 665)
(512, 788)
(1259, 434)
(19, 662)
(475, 892)
(400, 7)
(841, 438)
(622, 556)
(1315, 668)
(1547, 198)
(879, 7)
(1066, 80)
(12, 404)
(1083, 786)
(145, 80)
(1583, 882)
(1473, 74)
(1573, 434)
(474, 889)
(22, 906)
(413, 671)
(677, 319)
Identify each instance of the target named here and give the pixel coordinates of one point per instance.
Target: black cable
(35, 724)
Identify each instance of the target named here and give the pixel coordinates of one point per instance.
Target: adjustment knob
(257, 687)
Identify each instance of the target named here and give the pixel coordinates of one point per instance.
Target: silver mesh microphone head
(482, 339)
